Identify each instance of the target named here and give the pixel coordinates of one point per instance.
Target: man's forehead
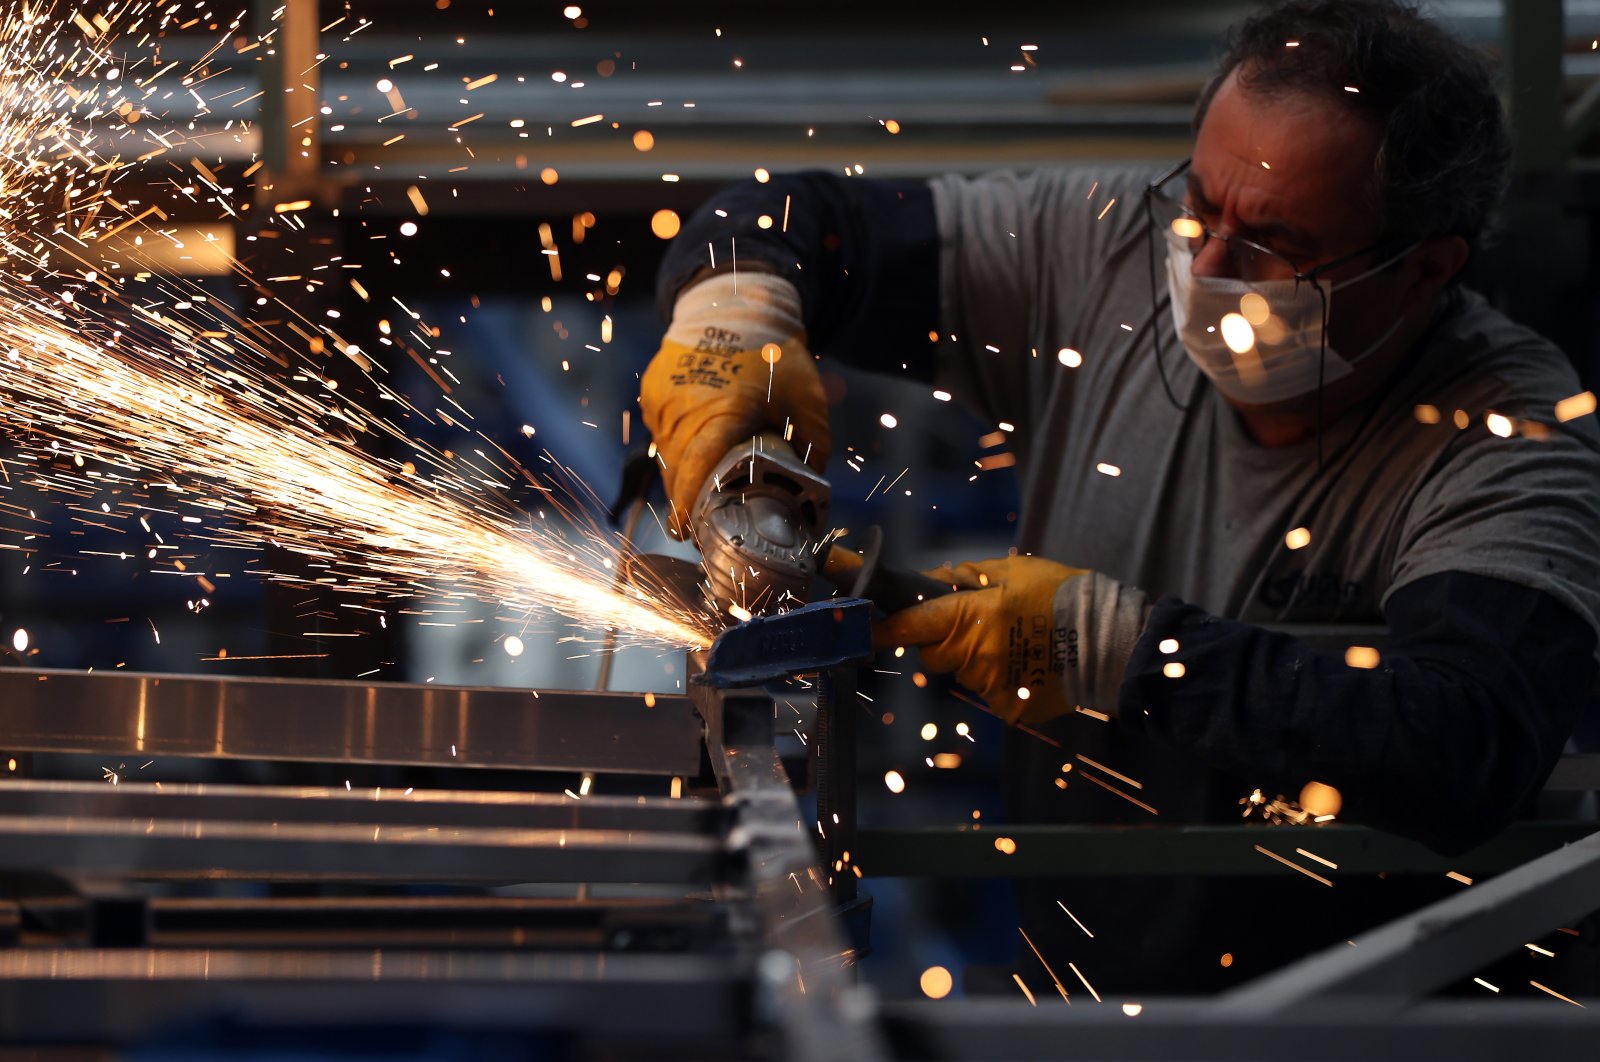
(1292, 157)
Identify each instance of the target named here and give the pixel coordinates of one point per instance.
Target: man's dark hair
(1442, 166)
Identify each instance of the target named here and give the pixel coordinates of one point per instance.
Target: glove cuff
(727, 313)
(1102, 620)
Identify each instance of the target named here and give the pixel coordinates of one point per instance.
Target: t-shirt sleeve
(1018, 255)
(1524, 508)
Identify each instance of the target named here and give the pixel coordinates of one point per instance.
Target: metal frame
(704, 918)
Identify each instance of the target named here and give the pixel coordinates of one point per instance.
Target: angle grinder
(759, 522)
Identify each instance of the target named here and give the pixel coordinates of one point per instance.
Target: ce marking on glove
(708, 371)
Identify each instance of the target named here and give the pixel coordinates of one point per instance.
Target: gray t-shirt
(1034, 264)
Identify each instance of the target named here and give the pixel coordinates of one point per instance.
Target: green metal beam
(1093, 851)
(1534, 38)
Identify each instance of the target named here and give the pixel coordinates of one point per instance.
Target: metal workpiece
(367, 806)
(162, 848)
(804, 969)
(129, 995)
(346, 722)
(668, 924)
(815, 637)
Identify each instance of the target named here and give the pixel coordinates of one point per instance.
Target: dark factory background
(880, 89)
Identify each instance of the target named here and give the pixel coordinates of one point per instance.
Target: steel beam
(346, 722)
(1166, 1029)
(460, 923)
(1534, 39)
(155, 849)
(1094, 851)
(1406, 959)
(128, 995)
(290, 73)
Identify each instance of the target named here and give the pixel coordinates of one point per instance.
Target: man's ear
(1438, 259)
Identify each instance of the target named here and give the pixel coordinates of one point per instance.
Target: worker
(1242, 391)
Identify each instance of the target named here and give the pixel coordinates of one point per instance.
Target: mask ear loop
(1322, 366)
(1155, 303)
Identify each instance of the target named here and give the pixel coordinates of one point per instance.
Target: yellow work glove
(1032, 637)
(732, 364)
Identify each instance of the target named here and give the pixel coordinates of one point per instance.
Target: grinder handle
(891, 589)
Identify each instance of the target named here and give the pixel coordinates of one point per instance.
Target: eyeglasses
(1170, 216)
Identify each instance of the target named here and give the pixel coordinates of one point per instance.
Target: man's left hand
(998, 633)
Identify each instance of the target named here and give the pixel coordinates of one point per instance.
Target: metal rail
(346, 722)
(163, 848)
(129, 995)
(21, 797)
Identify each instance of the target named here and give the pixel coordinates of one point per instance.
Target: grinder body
(759, 522)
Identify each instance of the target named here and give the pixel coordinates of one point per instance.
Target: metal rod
(347, 722)
(608, 651)
(371, 807)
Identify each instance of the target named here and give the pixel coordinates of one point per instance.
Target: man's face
(1295, 174)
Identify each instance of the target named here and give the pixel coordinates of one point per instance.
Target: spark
(1553, 992)
(1108, 787)
(1579, 405)
(1313, 856)
(1018, 979)
(1059, 986)
(1361, 656)
(1073, 967)
(1075, 919)
(1294, 866)
(936, 982)
(1107, 770)
(184, 407)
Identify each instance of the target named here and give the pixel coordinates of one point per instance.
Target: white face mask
(1276, 323)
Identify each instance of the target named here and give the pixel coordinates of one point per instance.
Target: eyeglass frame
(1153, 191)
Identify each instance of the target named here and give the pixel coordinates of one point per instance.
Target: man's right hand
(732, 365)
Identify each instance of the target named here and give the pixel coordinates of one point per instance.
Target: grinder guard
(758, 521)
